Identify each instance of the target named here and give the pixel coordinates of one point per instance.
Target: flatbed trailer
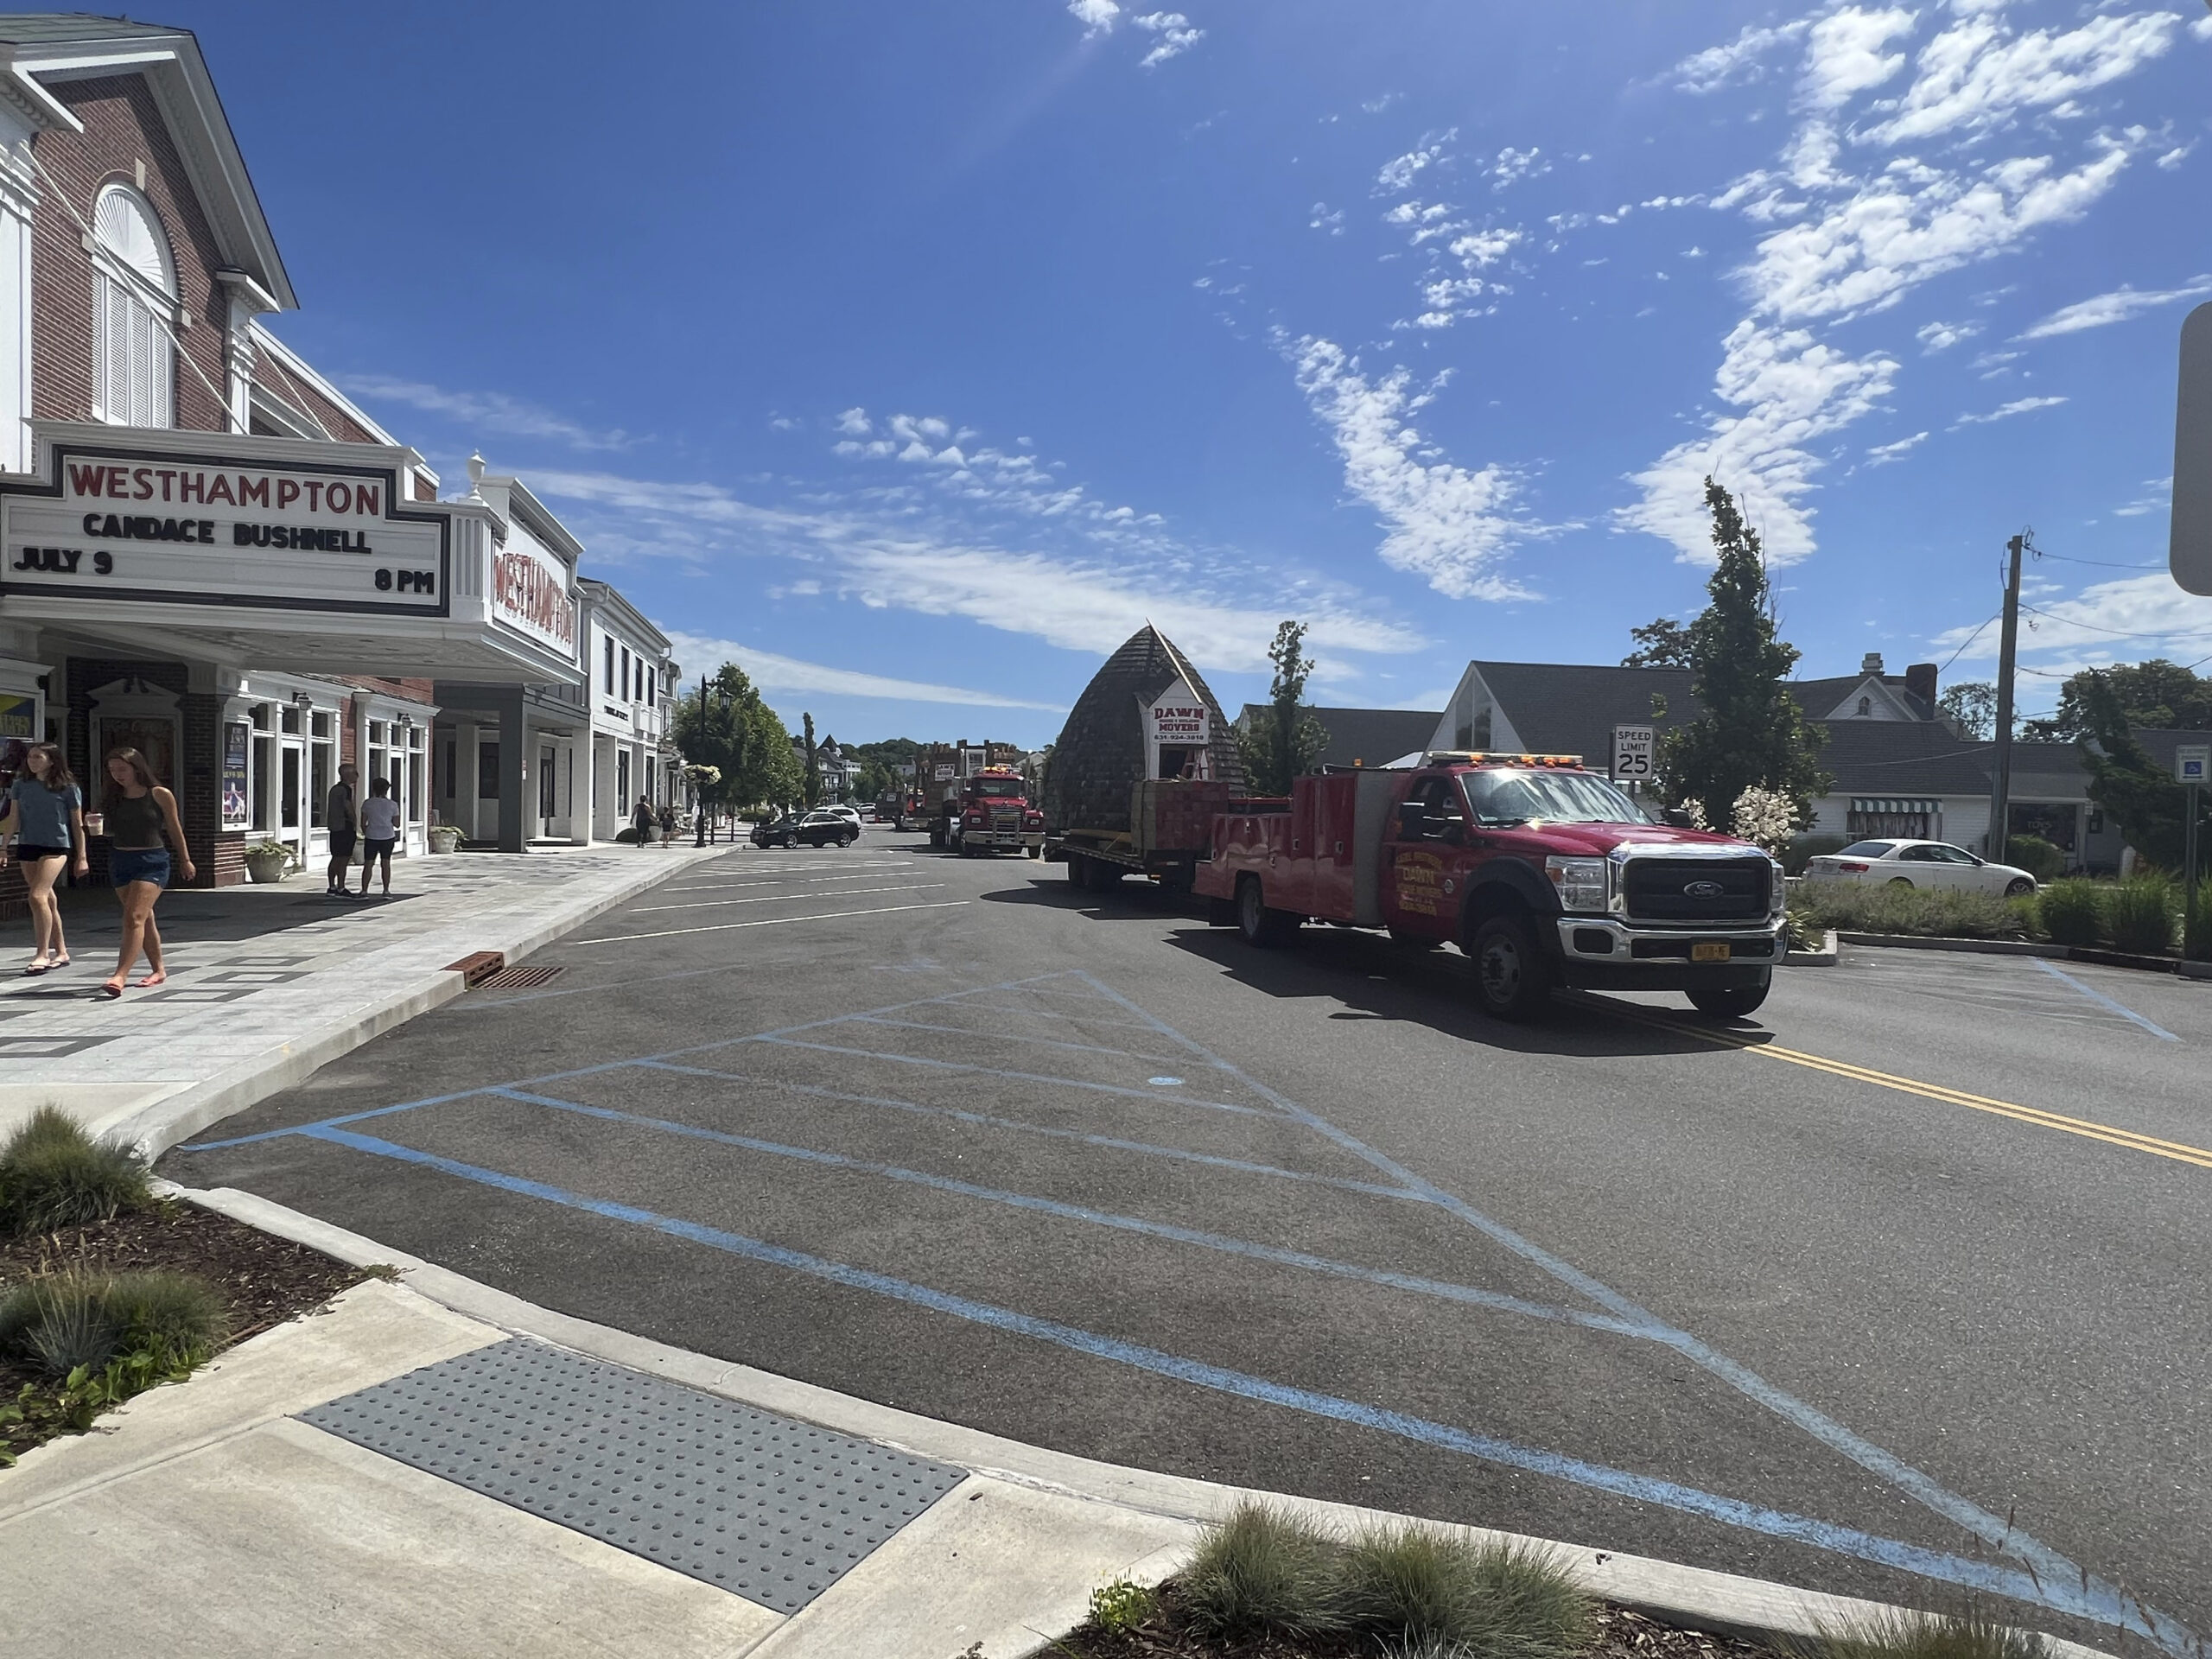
(1171, 832)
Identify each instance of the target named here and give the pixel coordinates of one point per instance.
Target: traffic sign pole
(2192, 765)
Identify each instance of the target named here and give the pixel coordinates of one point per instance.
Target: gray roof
(1817, 697)
(1572, 708)
(1371, 737)
(43, 27)
(1910, 757)
(1101, 751)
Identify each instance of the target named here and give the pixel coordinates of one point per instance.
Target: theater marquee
(203, 530)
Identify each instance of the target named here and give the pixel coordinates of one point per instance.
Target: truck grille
(1007, 823)
(1655, 889)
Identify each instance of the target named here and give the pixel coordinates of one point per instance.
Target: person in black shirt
(343, 820)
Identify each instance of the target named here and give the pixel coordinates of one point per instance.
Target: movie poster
(237, 813)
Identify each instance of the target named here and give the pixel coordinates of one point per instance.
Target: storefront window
(322, 765)
(418, 757)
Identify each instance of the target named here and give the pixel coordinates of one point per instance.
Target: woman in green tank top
(141, 817)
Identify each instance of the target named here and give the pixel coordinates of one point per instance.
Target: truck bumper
(1598, 953)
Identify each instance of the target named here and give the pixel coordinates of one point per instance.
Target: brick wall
(123, 127)
(301, 394)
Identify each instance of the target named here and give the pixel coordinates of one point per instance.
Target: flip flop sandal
(111, 992)
(36, 969)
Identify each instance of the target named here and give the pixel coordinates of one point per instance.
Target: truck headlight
(1778, 890)
(1580, 882)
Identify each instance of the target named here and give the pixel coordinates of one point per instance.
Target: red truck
(990, 814)
(1544, 873)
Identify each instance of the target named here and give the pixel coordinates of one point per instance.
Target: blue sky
(914, 355)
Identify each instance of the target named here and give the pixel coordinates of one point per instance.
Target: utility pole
(2000, 792)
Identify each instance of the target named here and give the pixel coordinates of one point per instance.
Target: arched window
(1866, 707)
(134, 296)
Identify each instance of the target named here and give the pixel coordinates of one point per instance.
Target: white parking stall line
(775, 921)
(772, 898)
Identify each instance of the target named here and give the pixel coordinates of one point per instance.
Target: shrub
(1484, 1601)
(2039, 857)
(2071, 911)
(66, 1322)
(1262, 1569)
(1936, 912)
(1121, 1607)
(53, 1174)
(2197, 947)
(1903, 1635)
(2139, 914)
(1803, 849)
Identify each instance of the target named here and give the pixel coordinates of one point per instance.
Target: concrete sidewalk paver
(267, 983)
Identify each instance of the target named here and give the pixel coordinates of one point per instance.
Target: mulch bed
(1618, 1634)
(263, 1280)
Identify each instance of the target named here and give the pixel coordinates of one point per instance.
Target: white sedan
(1919, 864)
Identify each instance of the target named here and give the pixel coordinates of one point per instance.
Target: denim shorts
(128, 864)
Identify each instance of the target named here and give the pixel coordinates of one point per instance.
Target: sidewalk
(433, 1467)
(266, 983)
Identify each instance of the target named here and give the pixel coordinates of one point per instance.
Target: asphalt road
(1894, 1290)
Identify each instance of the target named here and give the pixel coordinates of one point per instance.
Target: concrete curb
(1725, 1603)
(2096, 954)
(1823, 958)
(155, 1129)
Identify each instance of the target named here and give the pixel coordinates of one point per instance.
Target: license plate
(1709, 950)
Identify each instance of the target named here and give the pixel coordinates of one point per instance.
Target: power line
(2125, 633)
(1963, 643)
(2107, 564)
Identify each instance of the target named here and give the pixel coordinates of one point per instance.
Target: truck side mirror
(1674, 816)
(1413, 820)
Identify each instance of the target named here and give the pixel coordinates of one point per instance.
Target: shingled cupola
(1146, 713)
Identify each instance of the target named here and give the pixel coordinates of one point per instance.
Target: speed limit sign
(1632, 753)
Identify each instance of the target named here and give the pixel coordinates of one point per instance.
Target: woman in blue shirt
(46, 810)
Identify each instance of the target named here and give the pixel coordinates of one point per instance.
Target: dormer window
(135, 309)
(1865, 707)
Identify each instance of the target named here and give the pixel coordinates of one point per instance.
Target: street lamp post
(698, 784)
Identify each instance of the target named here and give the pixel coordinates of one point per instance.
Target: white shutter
(134, 363)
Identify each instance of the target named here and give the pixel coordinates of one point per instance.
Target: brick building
(210, 553)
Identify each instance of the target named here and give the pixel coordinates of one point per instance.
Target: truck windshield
(1502, 797)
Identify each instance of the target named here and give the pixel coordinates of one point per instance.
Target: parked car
(817, 828)
(850, 814)
(1919, 864)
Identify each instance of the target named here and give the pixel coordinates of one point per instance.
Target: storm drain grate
(511, 978)
(774, 1510)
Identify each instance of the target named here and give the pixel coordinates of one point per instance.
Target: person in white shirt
(379, 833)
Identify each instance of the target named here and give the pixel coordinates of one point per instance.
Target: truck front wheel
(1512, 980)
(1731, 1001)
(1260, 925)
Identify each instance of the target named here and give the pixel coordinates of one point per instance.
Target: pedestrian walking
(643, 821)
(46, 810)
(667, 825)
(142, 827)
(379, 832)
(341, 815)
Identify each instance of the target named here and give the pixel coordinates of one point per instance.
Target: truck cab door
(1422, 853)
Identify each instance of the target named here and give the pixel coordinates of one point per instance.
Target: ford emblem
(1705, 890)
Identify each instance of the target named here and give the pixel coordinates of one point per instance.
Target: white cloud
(1941, 336)
(1851, 240)
(1977, 76)
(1446, 524)
(2129, 620)
(1325, 218)
(1513, 165)
(1398, 174)
(2005, 411)
(491, 411)
(1743, 58)
(1175, 33)
(772, 672)
(1096, 17)
(1883, 454)
(2158, 500)
(1376, 105)
(2202, 28)
(2119, 306)
(1844, 55)
(854, 423)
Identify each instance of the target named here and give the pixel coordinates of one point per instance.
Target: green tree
(732, 729)
(1753, 732)
(2156, 696)
(812, 777)
(1285, 740)
(1659, 643)
(1972, 706)
(2149, 809)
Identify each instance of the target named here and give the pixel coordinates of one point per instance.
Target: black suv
(815, 829)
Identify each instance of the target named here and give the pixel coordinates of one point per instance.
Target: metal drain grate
(773, 1510)
(511, 978)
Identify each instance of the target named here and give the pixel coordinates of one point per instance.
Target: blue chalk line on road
(2100, 998)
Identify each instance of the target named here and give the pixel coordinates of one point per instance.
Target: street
(1841, 1294)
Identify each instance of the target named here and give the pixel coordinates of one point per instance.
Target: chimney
(1872, 663)
(1920, 681)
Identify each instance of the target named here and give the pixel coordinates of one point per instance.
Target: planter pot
(445, 841)
(265, 866)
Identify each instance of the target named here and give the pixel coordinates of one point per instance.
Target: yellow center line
(2177, 1151)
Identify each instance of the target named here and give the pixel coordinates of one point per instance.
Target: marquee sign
(530, 594)
(203, 530)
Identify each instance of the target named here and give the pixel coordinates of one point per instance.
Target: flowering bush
(1765, 817)
(1693, 809)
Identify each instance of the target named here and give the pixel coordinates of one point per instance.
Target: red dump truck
(989, 814)
(1543, 872)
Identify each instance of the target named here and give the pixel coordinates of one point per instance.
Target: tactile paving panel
(773, 1510)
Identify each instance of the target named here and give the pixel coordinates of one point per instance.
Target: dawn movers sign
(193, 530)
